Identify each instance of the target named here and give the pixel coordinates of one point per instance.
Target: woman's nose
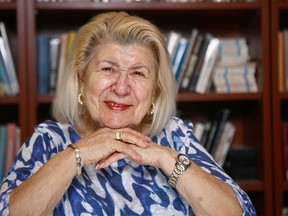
(122, 85)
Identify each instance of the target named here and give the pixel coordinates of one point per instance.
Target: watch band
(178, 170)
(175, 176)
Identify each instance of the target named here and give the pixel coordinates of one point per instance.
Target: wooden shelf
(9, 100)
(218, 97)
(148, 6)
(8, 5)
(251, 186)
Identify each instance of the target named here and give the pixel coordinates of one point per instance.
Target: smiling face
(119, 86)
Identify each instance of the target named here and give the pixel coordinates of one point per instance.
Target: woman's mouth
(117, 106)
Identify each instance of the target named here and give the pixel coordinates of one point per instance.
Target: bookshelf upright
(279, 15)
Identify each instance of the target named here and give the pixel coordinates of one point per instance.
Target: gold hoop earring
(80, 99)
(152, 109)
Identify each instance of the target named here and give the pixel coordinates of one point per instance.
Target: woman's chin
(115, 125)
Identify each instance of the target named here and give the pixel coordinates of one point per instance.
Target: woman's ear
(80, 82)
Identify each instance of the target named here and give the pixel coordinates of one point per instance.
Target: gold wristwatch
(182, 163)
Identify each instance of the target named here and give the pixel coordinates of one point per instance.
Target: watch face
(184, 159)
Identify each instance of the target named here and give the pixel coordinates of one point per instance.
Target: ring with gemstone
(118, 135)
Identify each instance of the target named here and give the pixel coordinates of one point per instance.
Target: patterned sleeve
(35, 152)
(199, 155)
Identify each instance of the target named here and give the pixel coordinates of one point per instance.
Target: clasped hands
(106, 146)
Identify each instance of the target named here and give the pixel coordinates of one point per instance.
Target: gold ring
(118, 135)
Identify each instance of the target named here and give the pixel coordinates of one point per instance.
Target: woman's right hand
(103, 143)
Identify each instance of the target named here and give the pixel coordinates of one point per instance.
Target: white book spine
(10, 62)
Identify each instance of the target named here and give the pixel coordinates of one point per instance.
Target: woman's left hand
(154, 155)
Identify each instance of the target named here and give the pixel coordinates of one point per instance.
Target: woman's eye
(108, 69)
(140, 74)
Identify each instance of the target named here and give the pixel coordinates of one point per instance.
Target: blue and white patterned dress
(124, 188)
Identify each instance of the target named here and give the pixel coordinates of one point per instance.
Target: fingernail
(147, 139)
(101, 166)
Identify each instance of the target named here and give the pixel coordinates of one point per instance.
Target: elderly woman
(116, 148)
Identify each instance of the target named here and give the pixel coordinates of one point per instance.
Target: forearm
(39, 194)
(206, 194)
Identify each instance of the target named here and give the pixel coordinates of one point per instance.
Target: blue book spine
(43, 66)
(3, 132)
(180, 55)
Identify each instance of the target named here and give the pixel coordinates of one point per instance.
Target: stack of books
(235, 72)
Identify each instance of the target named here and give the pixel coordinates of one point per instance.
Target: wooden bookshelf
(251, 113)
(14, 109)
(279, 15)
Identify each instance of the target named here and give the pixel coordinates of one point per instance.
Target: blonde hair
(121, 28)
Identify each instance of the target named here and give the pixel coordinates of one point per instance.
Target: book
(285, 148)
(247, 81)
(233, 60)
(179, 56)
(18, 140)
(184, 67)
(4, 74)
(233, 47)
(43, 65)
(3, 132)
(204, 137)
(199, 63)
(70, 39)
(54, 48)
(236, 89)
(183, 86)
(9, 62)
(225, 142)
(285, 35)
(2, 91)
(217, 130)
(210, 60)
(10, 145)
(62, 57)
(222, 70)
(281, 63)
(172, 43)
(199, 130)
